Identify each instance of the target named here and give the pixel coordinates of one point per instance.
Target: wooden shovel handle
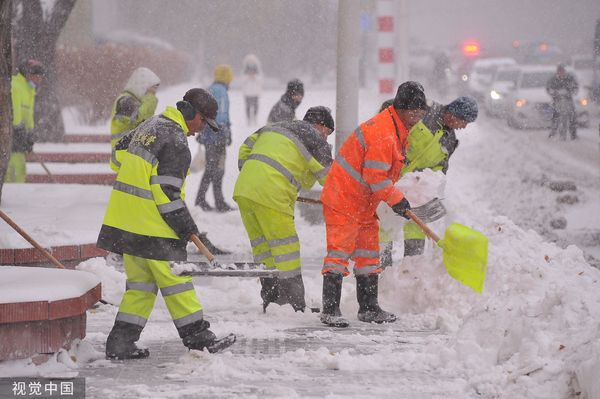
(39, 159)
(309, 200)
(202, 248)
(31, 240)
(423, 226)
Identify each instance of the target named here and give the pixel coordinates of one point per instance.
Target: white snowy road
(513, 171)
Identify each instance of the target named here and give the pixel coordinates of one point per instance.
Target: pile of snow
(113, 281)
(62, 364)
(28, 284)
(536, 328)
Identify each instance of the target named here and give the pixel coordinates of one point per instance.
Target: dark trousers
(572, 129)
(213, 173)
(251, 108)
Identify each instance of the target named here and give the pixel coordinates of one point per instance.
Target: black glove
(29, 141)
(187, 235)
(401, 207)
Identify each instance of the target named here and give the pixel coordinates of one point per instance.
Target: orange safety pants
(350, 238)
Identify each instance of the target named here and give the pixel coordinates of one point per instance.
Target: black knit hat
(464, 108)
(320, 115)
(410, 95)
(295, 86)
(31, 67)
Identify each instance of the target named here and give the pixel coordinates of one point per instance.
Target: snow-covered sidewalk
(533, 333)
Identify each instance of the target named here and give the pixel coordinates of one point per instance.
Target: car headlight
(521, 102)
(495, 95)
(583, 101)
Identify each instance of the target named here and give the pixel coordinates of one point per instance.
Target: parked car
(504, 80)
(583, 66)
(530, 106)
(482, 73)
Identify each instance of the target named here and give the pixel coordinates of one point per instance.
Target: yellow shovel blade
(465, 255)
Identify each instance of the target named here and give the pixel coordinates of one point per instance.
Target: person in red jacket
(362, 175)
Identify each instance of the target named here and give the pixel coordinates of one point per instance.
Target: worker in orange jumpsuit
(362, 175)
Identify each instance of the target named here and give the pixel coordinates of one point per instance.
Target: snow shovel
(464, 252)
(39, 159)
(211, 258)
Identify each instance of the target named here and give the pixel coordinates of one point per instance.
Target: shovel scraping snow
(464, 252)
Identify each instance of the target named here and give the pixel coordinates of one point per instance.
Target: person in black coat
(285, 108)
(562, 84)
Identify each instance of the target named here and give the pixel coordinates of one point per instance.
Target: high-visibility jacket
(128, 112)
(279, 160)
(367, 167)
(430, 143)
(23, 106)
(146, 214)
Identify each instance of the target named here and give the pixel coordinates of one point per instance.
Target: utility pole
(348, 40)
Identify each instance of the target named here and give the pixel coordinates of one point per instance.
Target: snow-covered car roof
(484, 62)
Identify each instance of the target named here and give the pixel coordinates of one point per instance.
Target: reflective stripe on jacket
(146, 214)
(367, 167)
(278, 161)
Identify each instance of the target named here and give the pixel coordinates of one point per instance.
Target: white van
(482, 72)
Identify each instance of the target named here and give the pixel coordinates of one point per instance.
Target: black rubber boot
(367, 288)
(332, 294)
(414, 247)
(197, 335)
(120, 344)
(385, 259)
(291, 290)
(269, 291)
(211, 247)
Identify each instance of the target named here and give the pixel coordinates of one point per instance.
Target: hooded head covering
(140, 81)
(223, 74)
(294, 87)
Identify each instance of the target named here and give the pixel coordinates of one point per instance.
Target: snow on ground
(27, 284)
(68, 168)
(534, 332)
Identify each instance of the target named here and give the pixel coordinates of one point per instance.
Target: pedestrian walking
(285, 108)
(216, 142)
(252, 81)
